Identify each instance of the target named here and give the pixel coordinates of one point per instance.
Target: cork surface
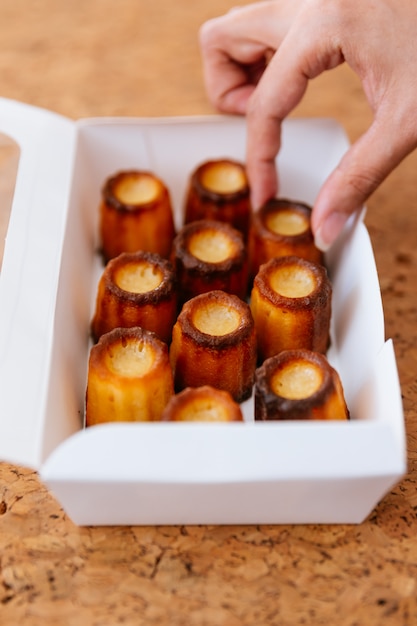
(138, 58)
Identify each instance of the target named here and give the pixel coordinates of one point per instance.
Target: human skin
(258, 60)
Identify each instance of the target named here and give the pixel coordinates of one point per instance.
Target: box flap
(29, 273)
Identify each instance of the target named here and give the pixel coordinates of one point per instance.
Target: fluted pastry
(209, 255)
(202, 404)
(299, 385)
(214, 343)
(281, 228)
(291, 306)
(129, 377)
(136, 289)
(135, 214)
(219, 190)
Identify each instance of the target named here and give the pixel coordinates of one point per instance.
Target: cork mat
(135, 58)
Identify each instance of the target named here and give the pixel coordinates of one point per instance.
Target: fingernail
(329, 230)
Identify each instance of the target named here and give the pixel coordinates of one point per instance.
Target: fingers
(366, 164)
(236, 48)
(309, 38)
(280, 89)
(314, 44)
(225, 64)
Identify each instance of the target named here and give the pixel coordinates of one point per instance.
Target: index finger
(282, 86)
(236, 46)
(226, 80)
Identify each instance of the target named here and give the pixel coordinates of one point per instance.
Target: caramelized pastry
(281, 228)
(299, 385)
(209, 255)
(202, 404)
(129, 377)
(136, 289)
(291, 306)
(135, 214)
(214, 343)
(219, 190)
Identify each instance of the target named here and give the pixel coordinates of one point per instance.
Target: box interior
(172, 151)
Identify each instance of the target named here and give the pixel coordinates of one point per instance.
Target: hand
(258, 61)
(237, 48)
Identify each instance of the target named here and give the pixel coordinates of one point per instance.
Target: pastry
(209, 255)
(129, 377)
(202, 404)
(291, 306)
(136, 289)
(135, 214)
(214, 343)
(281, 228)
(299, 385)
(219, 190)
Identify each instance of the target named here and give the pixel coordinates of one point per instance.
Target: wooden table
(141, 58)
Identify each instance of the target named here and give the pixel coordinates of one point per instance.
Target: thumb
(362, 169)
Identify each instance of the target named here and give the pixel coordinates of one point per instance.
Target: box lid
(30, 272)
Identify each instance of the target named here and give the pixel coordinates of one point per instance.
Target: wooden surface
(100, 57)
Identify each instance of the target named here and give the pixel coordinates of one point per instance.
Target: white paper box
(298, 472)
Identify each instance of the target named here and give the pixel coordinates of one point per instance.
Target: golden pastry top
(202, 404)
(223, 177)
(130, 358)
(138, 276)
(297, 379)
(216, 318)
(135, 188)
(286, 221)
(292, 280)
(212, 245)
